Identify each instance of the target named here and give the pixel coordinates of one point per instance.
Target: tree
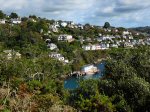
(106, 25)
(42, 25)
(13, 15)
(33, 16)
(88, 99)
(2, 15)
(24, 19)
(127, 75)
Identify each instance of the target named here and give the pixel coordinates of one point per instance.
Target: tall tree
(106, 25)
(13, 15)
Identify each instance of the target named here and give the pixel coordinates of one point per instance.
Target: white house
(89, 69)
(59, 57)
(107, 45)
(16, 21)
(147, 41)
(94, 47)
(64, 24)
(127, 44)
(114, 45)
(65, 37)
(126, 33)
(87, 47)
(107, 37)
(98, 47)
(54, 55)
(66, 61)
(2, 21)
(52, 46)
(130, 37)
(53, 28)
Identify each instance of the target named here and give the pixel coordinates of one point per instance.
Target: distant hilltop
(145, 29)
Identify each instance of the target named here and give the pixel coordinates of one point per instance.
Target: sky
(119, 13)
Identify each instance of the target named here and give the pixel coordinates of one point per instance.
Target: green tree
(33, 16)
(106, 25)
(13, 15)
(88, 99)
(2, 15)
(127, 76)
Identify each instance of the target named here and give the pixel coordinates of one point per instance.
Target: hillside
(37, 54)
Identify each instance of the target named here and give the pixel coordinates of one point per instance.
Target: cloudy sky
(127, 13)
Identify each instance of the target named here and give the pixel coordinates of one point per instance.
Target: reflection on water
(72, 82)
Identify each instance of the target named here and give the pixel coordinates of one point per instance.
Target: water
(72, 82)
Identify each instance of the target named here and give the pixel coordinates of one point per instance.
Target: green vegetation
(106, 25)
(13, 15)
(34, 82)
(2, 15)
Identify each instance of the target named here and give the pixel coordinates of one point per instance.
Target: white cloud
(108, 10)
(119, 12)
(13, 4)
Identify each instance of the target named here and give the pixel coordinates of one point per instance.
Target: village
(109, 38)
(103, 42)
